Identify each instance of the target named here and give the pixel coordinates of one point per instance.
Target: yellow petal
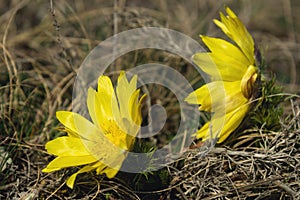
(110, 172)
(100, 167)
(134, 123)
(102, 107)
(71, 180)
(66, 146)
(79, 124)
(94, 107)
(124, 92)
(47, 170)
(220, 47)
(106, 105)
(96, 143)
(70, 161)
(218, 93)
(112, 168)
(235, 30)
(202, 96)
(134, 108)
(219, 67)
(234, 97)
(104, 84)
(232, 121)
(136, 111)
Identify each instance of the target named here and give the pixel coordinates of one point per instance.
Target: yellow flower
(101, 145)
(230, 66)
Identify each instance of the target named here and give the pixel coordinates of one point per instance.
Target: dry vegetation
(43, 43)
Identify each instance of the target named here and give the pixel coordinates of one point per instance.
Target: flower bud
(248, 81)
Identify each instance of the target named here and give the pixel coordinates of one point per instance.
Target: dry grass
(44, 44)
(269, 171)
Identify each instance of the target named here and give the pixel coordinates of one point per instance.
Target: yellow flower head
(99, 145)
(231, 65)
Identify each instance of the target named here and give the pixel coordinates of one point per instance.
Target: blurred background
(44, 42)
(43, 31)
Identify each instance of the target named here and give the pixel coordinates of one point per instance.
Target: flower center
(115, 133)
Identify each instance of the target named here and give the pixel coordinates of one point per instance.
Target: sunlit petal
(220, 47)
(124, 97)
(232, 121)
(78, 124)
(211, 96)
(69, 161)
(66, 146)
(219, 68)
(71, 180)
(235, 30)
